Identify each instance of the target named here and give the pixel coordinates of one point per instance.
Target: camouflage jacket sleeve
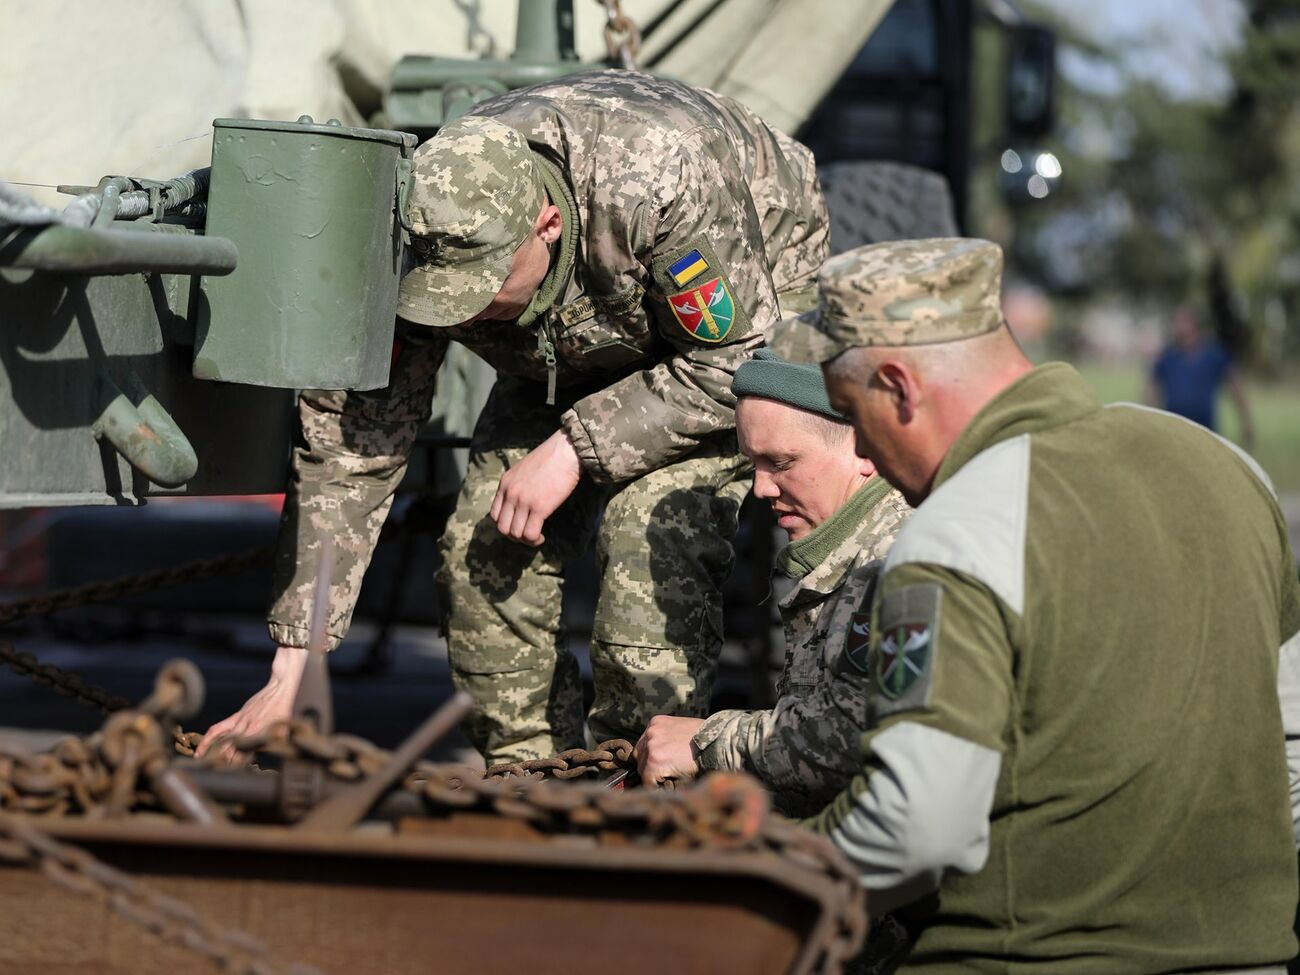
(698, 206)
(805, 749)
(350, 456)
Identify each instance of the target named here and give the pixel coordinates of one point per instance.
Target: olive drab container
(314, 210)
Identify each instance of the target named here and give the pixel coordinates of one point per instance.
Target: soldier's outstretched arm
(349, 457)
(711, 297)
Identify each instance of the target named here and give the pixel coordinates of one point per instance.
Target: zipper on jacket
(547, 348)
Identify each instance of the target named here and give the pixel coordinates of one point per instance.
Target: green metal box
(313, 211)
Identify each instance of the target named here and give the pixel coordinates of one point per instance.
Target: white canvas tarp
(130, 87)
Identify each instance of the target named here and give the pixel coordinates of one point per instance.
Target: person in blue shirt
(1186, 377)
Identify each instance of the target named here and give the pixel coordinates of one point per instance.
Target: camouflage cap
(475, 192)
(908, 292)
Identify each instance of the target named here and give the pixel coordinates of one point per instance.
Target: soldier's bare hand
(530, 491)
(272, 703)
(667, 749)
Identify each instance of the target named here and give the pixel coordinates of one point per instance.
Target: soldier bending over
(615, 245)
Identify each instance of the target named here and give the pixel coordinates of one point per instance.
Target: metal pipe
(80, 250)
(261, 791)
(416, 73)
(18, 208)
(544, 31)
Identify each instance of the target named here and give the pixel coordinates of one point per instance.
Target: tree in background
(1166, 199)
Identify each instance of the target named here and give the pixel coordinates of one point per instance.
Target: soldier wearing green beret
(1075, 758)
(615, 245)
(841, 518)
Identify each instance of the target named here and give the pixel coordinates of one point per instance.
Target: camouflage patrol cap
(909, 292)
(475, 192)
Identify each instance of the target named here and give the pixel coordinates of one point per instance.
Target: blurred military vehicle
(152, 333)
(95, 324)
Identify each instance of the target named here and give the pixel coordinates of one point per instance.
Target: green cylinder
(313, 211)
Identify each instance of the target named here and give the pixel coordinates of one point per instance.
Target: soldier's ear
(899, 384)
(549, 225)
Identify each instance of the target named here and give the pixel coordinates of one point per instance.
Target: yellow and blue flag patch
(689, 267)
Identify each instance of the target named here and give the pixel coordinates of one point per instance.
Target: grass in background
(1275, 407)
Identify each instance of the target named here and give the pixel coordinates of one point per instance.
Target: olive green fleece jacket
(1075, 732)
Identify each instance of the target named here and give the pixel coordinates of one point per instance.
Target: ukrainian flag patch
(687, 268)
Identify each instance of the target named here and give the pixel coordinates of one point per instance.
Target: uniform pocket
(605, 333)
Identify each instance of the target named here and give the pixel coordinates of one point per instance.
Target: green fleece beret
(770, 376)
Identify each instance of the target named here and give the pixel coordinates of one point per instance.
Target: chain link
(71, 684)
(609, 756)
(622, 36)
(168, 918)
(104, 774)
(135, 585)
(62, 681)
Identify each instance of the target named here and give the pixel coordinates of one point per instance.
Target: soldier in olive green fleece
(1076, 749)
(681, 221)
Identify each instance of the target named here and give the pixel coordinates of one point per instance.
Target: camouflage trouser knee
(664, 553)
(505, 638)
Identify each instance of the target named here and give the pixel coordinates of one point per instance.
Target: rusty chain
(108, 774)
(609, 756)
(721, 811)
(168, 918)
(103, 772)
(622, 36)
(62, 681)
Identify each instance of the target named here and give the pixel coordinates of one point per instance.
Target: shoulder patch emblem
(904, 655)
(706, 311)
(855, 647)
(907, 640)
(694, 283)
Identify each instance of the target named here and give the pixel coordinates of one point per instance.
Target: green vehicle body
(158, 354)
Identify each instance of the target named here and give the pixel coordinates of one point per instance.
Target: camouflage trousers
(663, 551)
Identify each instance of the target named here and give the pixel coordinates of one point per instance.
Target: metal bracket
(403, 191)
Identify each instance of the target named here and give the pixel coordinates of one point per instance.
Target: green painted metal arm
(76, 250)
(145, 434)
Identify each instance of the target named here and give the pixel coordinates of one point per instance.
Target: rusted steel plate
(425, 904)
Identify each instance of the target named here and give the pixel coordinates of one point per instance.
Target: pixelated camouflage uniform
(805, 748)
(651, 170)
